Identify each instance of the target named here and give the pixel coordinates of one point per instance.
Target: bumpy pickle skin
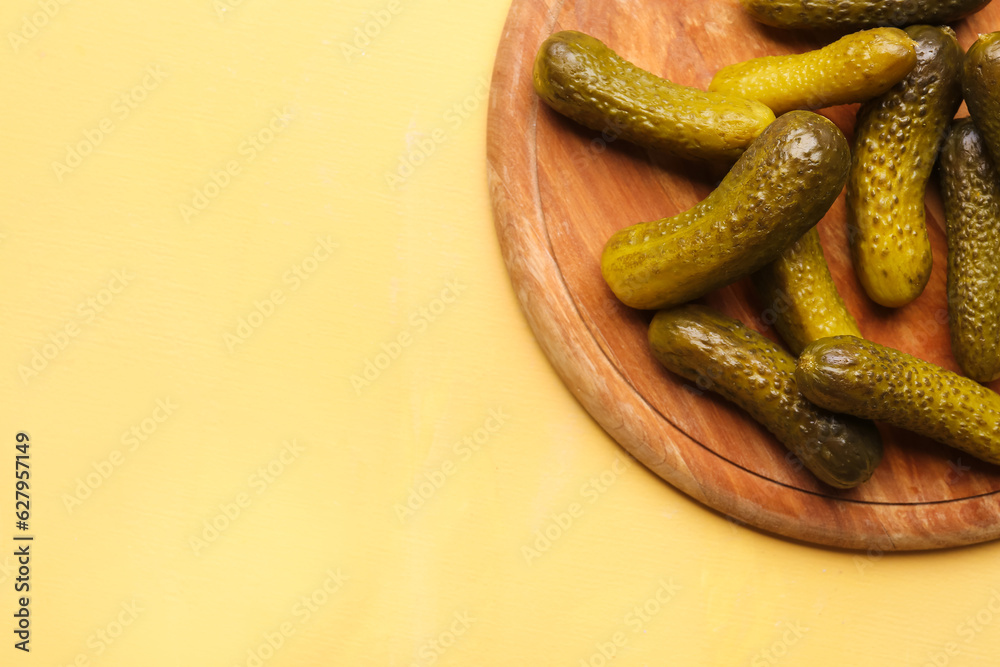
(749, 370)
(981, 84)
(870, 381)
(896, 143)
(855, 68)
(780, 188)
(858, 14)
(799, 290)
(970, 188)
(580, 77)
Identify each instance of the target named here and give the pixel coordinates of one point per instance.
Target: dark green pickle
(970, 189)
(870, 381)
(858, 14)
(780, 188)
(580, 77)
(981, 85)
(749, 370)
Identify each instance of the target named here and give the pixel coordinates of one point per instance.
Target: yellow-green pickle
(971, 191)
(779, 189)
(855, 68)
(896, 143)
(857, 14)
(580, 77)
(865, 379)
(798, 288)
(749, 370)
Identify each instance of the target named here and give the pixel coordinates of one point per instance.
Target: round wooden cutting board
(559, 191)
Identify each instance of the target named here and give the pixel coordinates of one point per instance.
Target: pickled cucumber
(746, 368)
(980, 78)
(867, 380)
(799, 289)
(857, 14)
(896, 144)
(580, 77)
(855, 68)
(971, 191)
(779, 189)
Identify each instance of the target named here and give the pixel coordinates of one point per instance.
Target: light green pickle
(855, 68)
(896, 143)
(798, 288)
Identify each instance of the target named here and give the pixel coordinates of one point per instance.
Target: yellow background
(449, 583)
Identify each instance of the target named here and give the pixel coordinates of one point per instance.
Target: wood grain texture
(560, 190)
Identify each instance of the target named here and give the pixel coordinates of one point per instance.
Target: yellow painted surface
(183, 310)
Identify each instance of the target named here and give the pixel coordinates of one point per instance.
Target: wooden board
(560, 190)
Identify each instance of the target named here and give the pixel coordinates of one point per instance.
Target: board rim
(596, 382)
